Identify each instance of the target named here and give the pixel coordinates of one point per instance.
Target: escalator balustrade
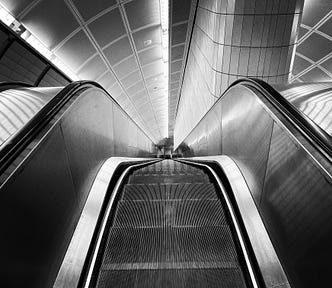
(170, 229)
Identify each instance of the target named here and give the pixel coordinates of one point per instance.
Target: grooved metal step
(191, 278)
(168, 191)
(168, 178)
(170, 229)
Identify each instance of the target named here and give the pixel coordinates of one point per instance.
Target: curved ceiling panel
(107, 28)
(89, 9)
(52, 27)
(116, 43)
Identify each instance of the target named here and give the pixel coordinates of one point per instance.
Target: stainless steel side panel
(43, 193)
(288, 178)
(247, 129)
(272, 272)
(73, 262)
(297, 207)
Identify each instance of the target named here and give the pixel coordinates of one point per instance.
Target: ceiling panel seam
(305, 57)
(145, 27)
(114, 41)
(85, 62)
(63, 42)
(27, 9)
(132, 44)
(101, 13)
(149, 47)
(328, 37)
(312, 66)
(88, 33)
(315, 27)
(102, 75)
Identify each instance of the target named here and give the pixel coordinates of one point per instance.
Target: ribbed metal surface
(170, 234)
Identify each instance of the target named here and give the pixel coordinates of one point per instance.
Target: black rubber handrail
(314, 133)
(18, 141)
(13, 85)
(320, 139)
(10, 149)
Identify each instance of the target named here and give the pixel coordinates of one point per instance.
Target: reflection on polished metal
(231, 40)
(265, 254)
(289, 177)
(44, 190)
(313, 99)
(72, 265)
(170, 227)
(18, 106)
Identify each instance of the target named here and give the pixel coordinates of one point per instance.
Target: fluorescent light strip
(164, 7)
(10, 21)
(6, 17)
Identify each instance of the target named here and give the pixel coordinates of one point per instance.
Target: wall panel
(231, 40)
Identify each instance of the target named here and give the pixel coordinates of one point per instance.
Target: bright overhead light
(164, 15)
(164, 5)
(6, 17)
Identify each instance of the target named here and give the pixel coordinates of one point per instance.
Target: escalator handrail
(320, 139)
(13, 85)
(315, 134)
(18, 141)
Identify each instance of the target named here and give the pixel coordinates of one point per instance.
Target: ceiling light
(147, 42)
(6, 17)
(164, 5)
(164, 15)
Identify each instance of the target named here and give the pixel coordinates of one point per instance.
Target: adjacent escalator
(170, 228)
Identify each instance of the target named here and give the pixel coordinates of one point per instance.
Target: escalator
(169, 223)
(170, 228)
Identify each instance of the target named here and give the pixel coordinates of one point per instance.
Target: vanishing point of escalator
(170, 229)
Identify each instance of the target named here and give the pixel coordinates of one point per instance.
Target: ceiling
(118, 43)
(313, 58)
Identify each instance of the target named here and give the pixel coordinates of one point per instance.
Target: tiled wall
(231, 40)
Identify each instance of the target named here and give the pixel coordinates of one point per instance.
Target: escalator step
(150, 192)
(170, 247)
(170, 229)
(200, 278)
(169, 213)
(167, 178)
(170, 168)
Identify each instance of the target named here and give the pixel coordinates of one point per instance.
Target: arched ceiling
(116, 43)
